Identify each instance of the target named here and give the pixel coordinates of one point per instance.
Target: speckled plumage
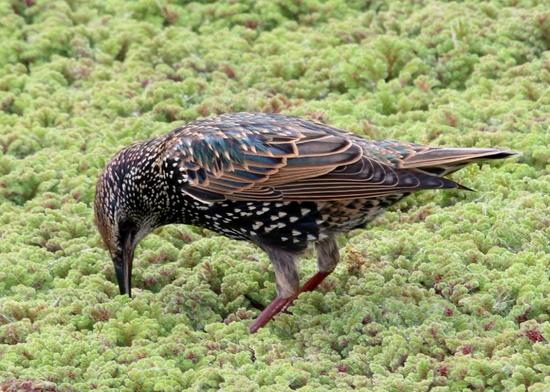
(277, 181)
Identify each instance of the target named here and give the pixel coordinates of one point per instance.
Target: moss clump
(448, 291)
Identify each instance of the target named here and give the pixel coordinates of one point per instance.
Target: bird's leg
(287, 279)
(327, 259)
(288, 283)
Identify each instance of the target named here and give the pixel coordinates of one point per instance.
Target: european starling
(277, 181)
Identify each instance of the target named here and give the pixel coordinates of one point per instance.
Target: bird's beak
(123, 267)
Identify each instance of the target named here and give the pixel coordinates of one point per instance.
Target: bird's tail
(442, 161)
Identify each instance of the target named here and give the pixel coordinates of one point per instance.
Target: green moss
(448, 291)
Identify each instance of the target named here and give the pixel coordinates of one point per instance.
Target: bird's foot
(254, 303)
(280, 304)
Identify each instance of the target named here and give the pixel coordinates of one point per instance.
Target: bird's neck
(141, 186)
(148, 193)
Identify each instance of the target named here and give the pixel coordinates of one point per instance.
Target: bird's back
(272, 157)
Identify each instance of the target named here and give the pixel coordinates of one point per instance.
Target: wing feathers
(273, 157)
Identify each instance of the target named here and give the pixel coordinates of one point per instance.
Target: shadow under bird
(277, 181)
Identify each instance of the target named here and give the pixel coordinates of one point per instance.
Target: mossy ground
(449, 291)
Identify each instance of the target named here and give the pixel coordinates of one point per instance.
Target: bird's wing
(268, 158)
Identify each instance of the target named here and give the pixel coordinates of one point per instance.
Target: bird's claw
(254, 303)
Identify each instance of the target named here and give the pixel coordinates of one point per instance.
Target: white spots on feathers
(262, 211)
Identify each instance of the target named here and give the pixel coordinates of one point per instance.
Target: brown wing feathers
(249, 164)
(270, 158)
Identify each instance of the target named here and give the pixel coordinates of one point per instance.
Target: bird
(280, 182)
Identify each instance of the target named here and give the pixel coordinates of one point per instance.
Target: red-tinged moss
(448, 291)
(534, 335)
(467, 349)
(30, 385)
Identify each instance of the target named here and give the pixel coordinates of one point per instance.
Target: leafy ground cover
(449, 291)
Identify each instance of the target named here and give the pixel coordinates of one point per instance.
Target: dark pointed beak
(123, 267)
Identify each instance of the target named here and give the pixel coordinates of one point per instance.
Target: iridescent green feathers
(270, 157)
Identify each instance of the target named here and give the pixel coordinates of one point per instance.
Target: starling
(277, 181)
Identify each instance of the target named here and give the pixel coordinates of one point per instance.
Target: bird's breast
(289, 225)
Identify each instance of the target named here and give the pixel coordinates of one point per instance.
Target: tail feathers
(442, 161)
(429, 181)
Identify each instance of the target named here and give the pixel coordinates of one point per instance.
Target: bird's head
(121, 219)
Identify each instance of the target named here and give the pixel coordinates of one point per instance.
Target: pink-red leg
(268, 313)
(287, 278)
(310, 285)
(281, 304)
